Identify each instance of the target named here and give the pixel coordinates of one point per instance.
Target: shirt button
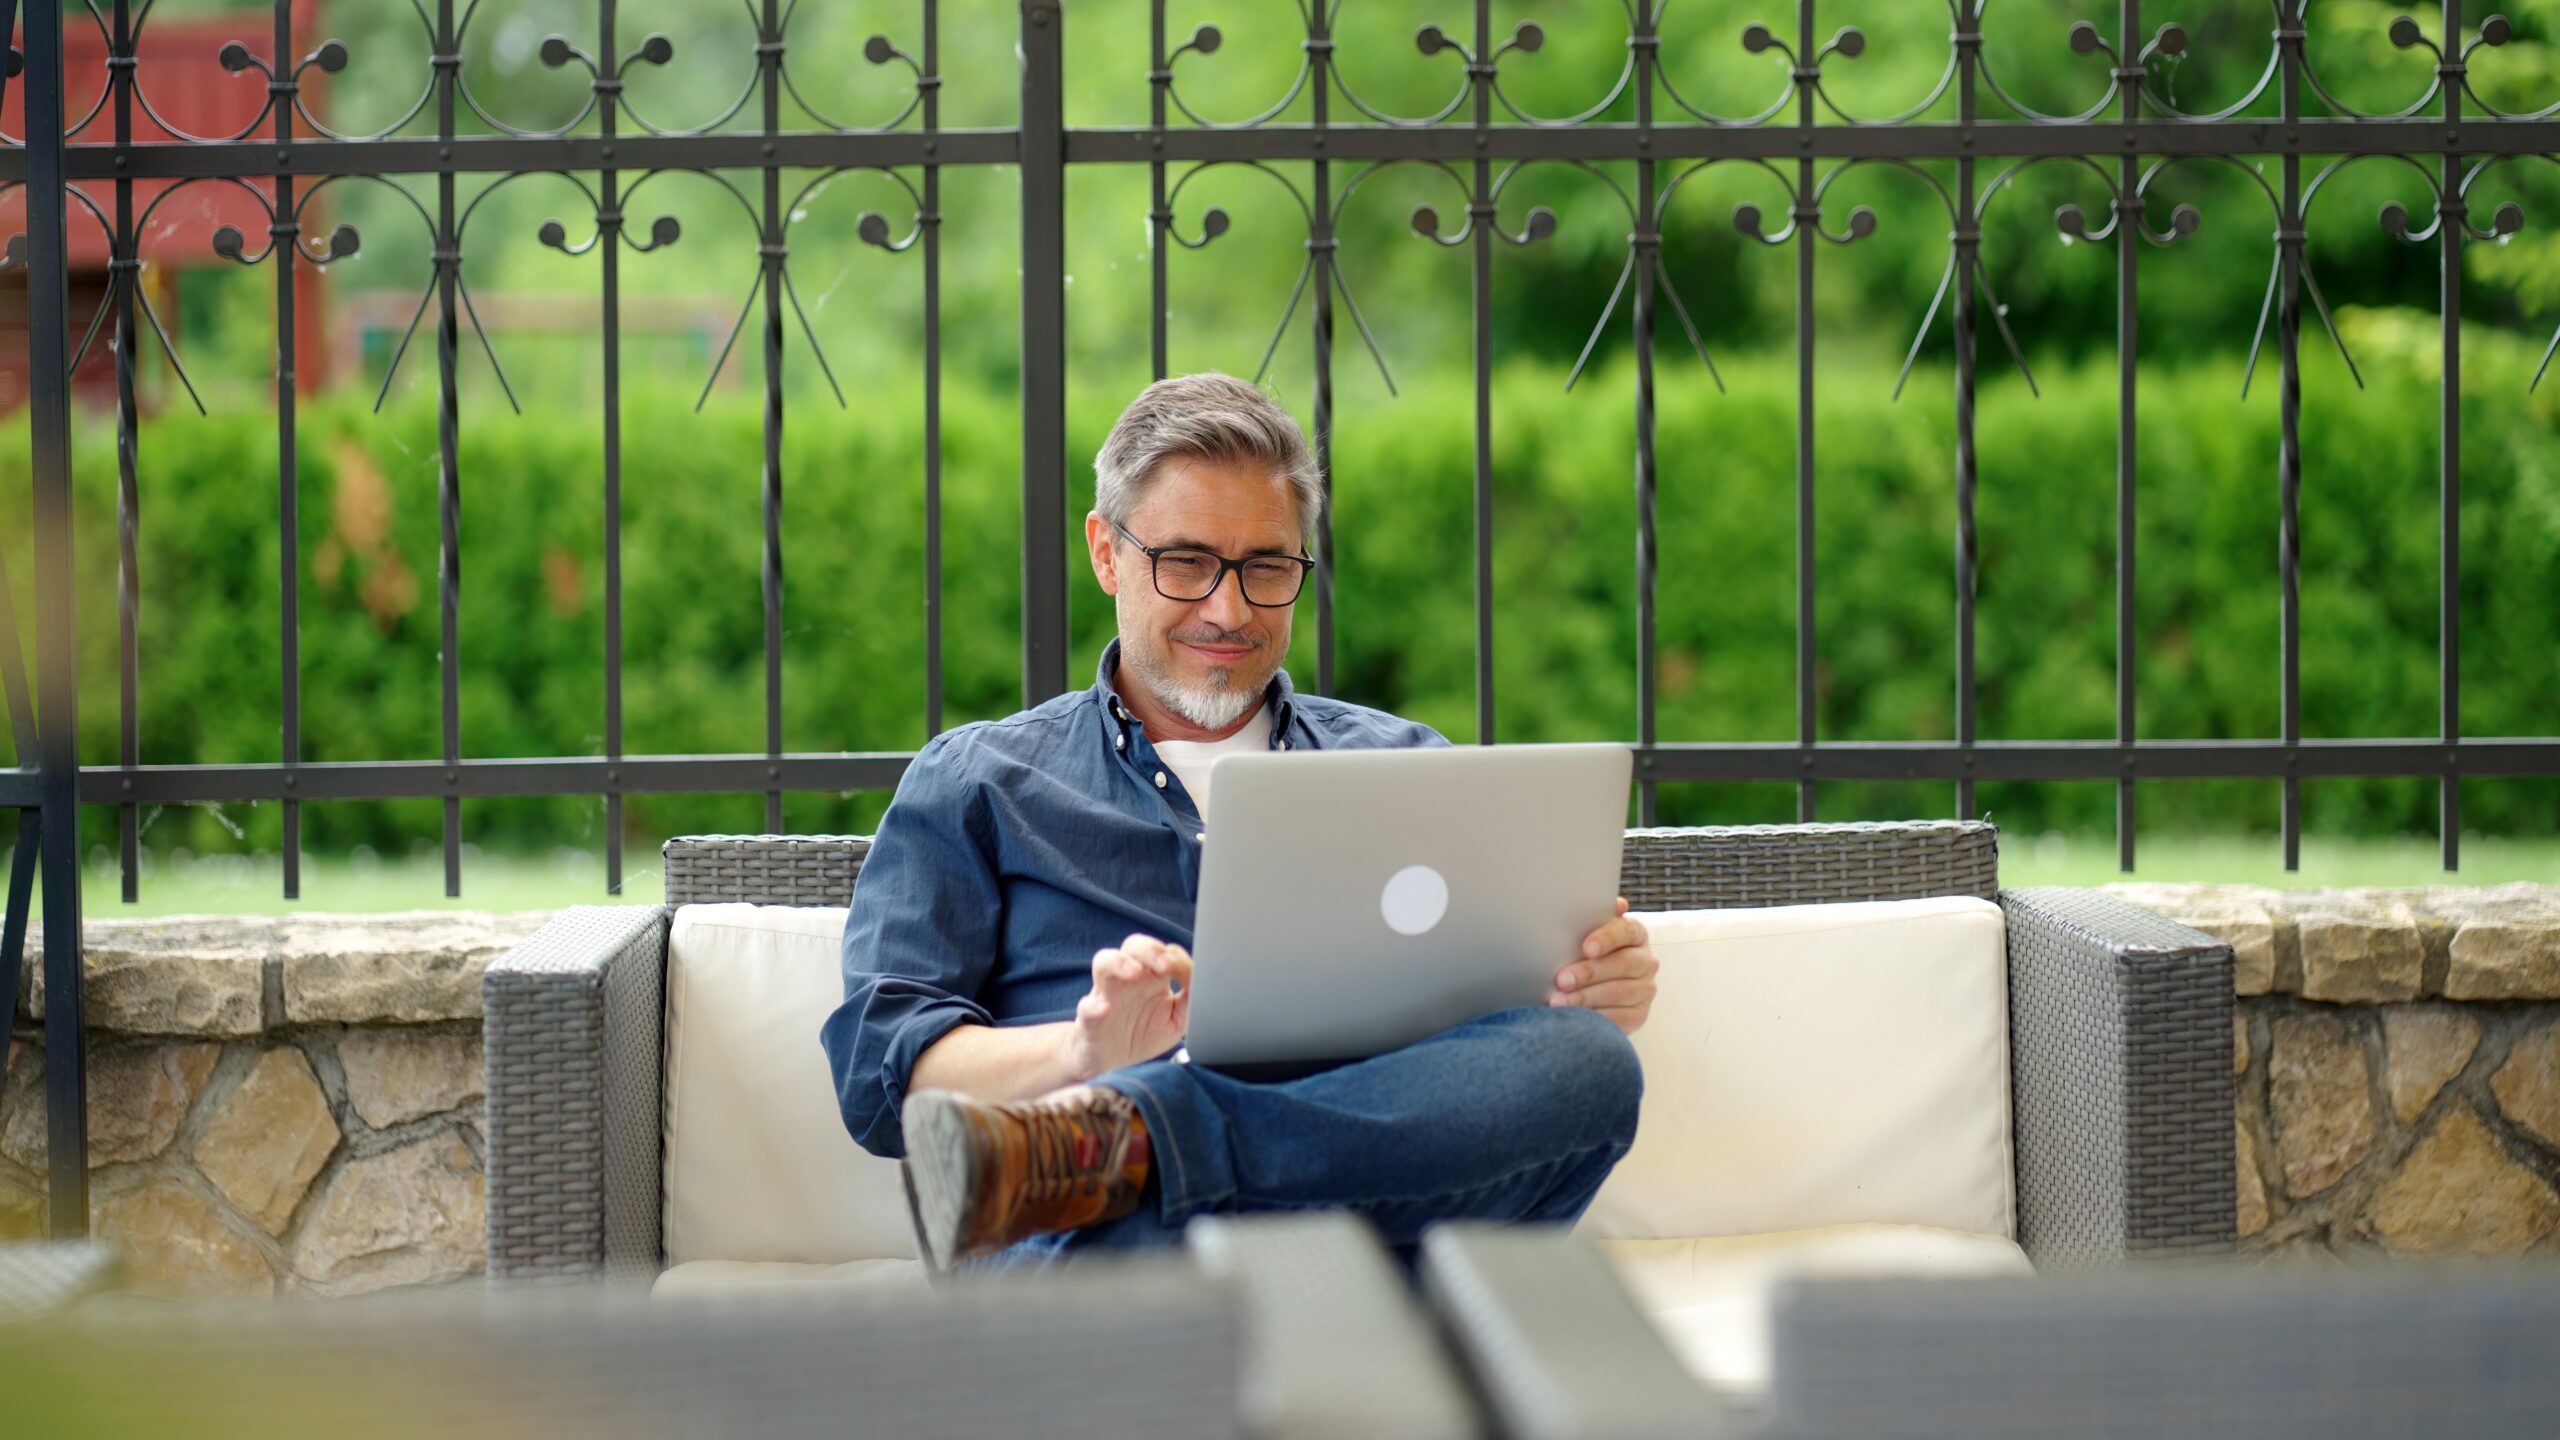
(1159, 779)
(1200, 838)
(1284, 744)
(1119, 742)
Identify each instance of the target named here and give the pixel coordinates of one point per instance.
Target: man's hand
(1614, 974)
(1133, 1012)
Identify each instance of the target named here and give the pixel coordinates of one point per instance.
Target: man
(1015, 974)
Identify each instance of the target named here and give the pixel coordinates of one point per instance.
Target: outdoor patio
(2095, 790)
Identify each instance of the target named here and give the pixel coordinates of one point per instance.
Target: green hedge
(531, 619)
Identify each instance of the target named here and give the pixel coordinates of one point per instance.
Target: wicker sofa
(2119, 1036)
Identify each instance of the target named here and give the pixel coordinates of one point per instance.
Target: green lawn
(253, 885)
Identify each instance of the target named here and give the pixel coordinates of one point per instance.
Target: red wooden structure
(179, 72)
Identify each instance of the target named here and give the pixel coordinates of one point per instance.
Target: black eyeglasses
(1271, 582)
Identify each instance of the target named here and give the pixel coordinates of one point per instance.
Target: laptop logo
(1414, 900)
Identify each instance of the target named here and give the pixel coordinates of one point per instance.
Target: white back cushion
(758, 1165)
(1812, 1065)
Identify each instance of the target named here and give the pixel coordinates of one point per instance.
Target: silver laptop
(1355, 901)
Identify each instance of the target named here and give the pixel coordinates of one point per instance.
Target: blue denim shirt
(1013, 850)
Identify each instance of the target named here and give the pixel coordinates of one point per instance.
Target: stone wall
(275, 1105)
(293, 1106)
(2398, 1064)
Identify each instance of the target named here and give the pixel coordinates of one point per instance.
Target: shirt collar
(1279, 696)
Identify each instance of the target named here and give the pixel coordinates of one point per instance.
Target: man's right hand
(1134, 1011)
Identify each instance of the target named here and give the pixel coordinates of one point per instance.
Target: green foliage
(531, 591)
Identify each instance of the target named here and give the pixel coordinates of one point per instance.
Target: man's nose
(1226, 607)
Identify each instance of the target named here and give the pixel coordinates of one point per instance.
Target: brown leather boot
(981, 1176)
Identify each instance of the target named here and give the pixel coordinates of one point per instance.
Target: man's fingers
(1608, 995)
(1622, 904)
(1616, 934)
(1178, 967)
(1616, 965)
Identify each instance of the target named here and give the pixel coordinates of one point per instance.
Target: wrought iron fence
(1479, 141)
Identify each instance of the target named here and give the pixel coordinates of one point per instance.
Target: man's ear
(1098, 538)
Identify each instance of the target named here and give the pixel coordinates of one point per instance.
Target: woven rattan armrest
(572, 1035)
(2120, 1065)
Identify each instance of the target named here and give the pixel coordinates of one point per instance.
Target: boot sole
(941, 1174)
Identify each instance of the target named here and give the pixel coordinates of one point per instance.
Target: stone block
(2237, 915)
(2359, 946)
(272, 1134)
(2459, 1192)
(2427, 1045)
(2528, 1085)
(178, 1245)
(138, 1096)
(2253, 1187)
(400, 1075)
(409, 1216)
(2319, 1096)
(182, 975)
(21, 1207)
(2239, 1044)
(2505, 960)
(401, 969)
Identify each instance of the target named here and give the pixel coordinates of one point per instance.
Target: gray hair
(1208, 416)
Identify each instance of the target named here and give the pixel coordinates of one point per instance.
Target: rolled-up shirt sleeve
(919, 942)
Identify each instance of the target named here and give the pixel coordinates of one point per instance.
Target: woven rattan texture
(1722, 866)
(1335, 1342)
(1553, 1339)
(2338, 1354)
(1672, 868)
(573, 1111)
(763, 869)
(2121, 1085)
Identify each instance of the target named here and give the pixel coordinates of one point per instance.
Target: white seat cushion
(729, 1277)
(758, 1166)
(1709, 1298)
(1816, 1065)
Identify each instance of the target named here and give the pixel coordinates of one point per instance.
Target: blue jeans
(1517, 1116)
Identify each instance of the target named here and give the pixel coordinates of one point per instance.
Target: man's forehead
(1234, 497)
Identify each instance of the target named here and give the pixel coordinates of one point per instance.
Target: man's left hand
(1614, 974)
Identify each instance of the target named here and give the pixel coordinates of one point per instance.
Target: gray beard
(1211, 707)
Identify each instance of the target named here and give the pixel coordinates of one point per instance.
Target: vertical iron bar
(1160, 213)
(1322, 248)
(932, 224)
(776, 251)
(2289, 242)
(1482, 268)
(1807, 218)
(1044, 355)
(2128, 221)
(66, 1070)
(1645, 253)
(2451, 222)
(283, 246)
(448, 62)
(124, 273)
(1967, 240)
(609, 226)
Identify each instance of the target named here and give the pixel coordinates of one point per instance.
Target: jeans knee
(1593, 1073)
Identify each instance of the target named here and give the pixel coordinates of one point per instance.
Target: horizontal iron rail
(1119, 145)
(2041, 760)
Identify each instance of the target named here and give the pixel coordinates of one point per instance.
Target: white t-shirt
(1189, 760)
